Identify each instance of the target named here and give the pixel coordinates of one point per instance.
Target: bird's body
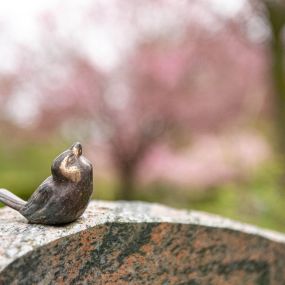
(62, 197)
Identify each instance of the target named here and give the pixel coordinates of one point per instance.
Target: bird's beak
(76, 149)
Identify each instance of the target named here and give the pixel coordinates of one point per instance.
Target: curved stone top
(18, 237)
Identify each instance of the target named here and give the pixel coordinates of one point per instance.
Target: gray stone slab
(139, 243)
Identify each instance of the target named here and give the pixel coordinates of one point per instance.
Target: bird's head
(71, 165)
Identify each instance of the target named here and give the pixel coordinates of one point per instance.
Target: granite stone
(139, 243)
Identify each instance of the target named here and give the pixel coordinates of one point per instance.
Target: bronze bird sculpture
(63, 196)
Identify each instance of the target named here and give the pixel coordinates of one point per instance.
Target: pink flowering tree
(164, 90)
(169, 87)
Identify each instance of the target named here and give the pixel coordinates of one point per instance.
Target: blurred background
(177, 102)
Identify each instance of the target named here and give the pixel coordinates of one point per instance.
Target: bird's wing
(39, 198)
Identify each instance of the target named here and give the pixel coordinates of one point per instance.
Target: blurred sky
(105, 39)
(19, 25)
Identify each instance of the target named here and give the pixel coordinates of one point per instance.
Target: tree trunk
(126, 189)
(276, 17)
(279, 86)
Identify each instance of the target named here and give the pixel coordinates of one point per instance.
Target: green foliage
(105, 189)
(23, 167)
(258, 200)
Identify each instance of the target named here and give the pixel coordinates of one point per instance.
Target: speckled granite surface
(139, 243)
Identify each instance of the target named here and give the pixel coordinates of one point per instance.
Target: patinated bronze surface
(63, 196)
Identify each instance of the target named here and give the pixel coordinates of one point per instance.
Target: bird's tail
(11, 200)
